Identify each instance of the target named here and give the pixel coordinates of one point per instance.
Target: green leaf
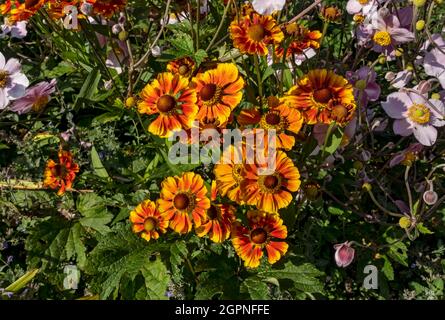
(74, 245)
(178, 251)
(305, 276)
(106, 117)
(21, 282)
(398, 252)
(334, 141)
(99, 168)
(90, 204)
(156, 279)
(422, 229)
(119, 257)
(199, 56)
(256, 289)
(387, 269)
(89, 87)
(94, 212)
(335, 210)
(269, 71)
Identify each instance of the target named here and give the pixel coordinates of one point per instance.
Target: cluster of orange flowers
(185, 203)
(22, 11)
(210, 95)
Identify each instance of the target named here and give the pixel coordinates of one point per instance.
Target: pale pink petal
(353, 7)
(401, 35)
(396, 104)
(2, 61)
(402, 127)
(426, 135)
(438, 113)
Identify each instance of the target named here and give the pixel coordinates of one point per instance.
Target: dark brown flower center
(212, 213)
(166, 103)
(183, 70)
(208, 92)
(322, 95)
(271, 182)
(273, 118)
(149, 224)
(256, 32)
(181, 201)
(258, 236)
(59, 171)
(30, 3)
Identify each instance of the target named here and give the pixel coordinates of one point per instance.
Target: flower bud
(399, 52)
(123, 35)
(404, 222)
(419, 3)
(130, 102)
(361, 84)
(382, 59)
(435, 96)
(430, 197)
(367, 186)
(390, 76)
(358, 165)
(115, 29)
(420, 25)
(344, 254)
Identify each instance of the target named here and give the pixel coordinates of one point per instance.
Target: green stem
(223, 18)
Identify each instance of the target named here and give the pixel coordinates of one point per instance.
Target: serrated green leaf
(305, 276)
(118, 254)
(256, 289)
(156, 279)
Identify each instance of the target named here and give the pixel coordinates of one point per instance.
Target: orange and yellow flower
(107, 8)
(323, 97)
(330, 14)
(169, 96)
(183, 66)
(265, 231)
(282, 119)
(229, 174)
(62, 174)
(302, 39)
(219, 219)
(253, 33)
(23, 11)
(148, 221)
(183, 200)
(270, 191)
(219, 91)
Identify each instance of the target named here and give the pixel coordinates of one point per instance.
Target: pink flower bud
(344, 254)
(115, 29)
(430, 197)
